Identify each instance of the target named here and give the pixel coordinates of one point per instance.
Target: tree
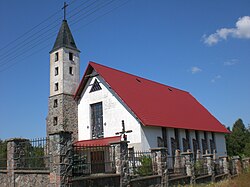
(237, 141)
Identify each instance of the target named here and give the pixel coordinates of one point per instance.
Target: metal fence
(32, 154)
(140, 163)
(93, 159)
(3, 154)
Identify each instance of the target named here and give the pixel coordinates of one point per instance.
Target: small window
(96, 86)
(56, 71)
(56, 86)
(55, 103)
(71, 70)
(71, 56)
(56, 56)
(55, 120)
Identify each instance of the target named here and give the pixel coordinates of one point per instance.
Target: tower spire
(64, 9)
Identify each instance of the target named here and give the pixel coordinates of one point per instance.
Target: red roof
(155, 104)
(99, 142)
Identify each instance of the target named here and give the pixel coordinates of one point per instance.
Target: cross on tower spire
(64, 8)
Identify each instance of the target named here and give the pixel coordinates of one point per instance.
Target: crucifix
(64, 8)
(123, 132)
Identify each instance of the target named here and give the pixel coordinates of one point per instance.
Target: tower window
(55, 103)
(55, 121)
(71, 70)
(56, 56)
(56, 86)
(56, 71)
(71, 56)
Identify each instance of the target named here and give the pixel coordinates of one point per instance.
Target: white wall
(149, 137)
(220, 144)
(113, 113)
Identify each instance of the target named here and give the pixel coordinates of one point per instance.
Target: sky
(202, 47)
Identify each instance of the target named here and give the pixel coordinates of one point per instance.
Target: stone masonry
(66, 113)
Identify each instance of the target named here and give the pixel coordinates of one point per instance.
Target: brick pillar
(160, 164)
(14, 157)
(60, 145)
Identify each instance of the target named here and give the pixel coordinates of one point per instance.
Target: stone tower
(64, 80)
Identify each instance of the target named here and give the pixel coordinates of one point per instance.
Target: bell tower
(64, 80)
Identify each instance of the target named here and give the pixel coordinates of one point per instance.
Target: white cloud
(231, 62)
(241, 30)
(216, 78)
(195, 70)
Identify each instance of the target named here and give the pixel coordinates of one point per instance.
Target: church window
(96, 120)
(71, 70)
(96, 86)
(56, 56)
(55, 120)
(70, 56)
(164, 136)
(197, 137)
(56, 86)
(176, 134)
(56, 71)
(55, 103)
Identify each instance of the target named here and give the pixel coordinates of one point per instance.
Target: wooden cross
(123, 132)
(64, 8)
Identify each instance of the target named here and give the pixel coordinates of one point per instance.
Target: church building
(94, 108)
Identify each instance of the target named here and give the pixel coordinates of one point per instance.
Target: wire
(42, 40)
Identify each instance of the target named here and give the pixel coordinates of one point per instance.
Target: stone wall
(27, 178)
(111, 180)
(66, 113)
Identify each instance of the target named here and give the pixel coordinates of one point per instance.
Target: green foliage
(146, 166)
(238, 142)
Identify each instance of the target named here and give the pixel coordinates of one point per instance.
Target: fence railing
(3, 154)
(91, 160)
(140, 163)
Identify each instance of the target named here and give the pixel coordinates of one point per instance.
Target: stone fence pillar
(177, 161)
(60, 150)
(160, 164)
(225, 164)
(246, 163)
(210, 164)
(122, 165)
(237, 164)
(188, 160)
(15, 152)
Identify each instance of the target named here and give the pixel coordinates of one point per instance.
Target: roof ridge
(153, 81)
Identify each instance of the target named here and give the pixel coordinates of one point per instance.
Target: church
(95, 107)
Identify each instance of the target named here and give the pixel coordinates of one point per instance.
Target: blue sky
(199, 46)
